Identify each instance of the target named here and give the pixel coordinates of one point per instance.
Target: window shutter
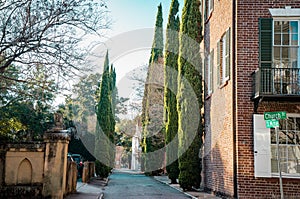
(262, 147)
(265, 53)
(265, 41)
(206, 73)
(219, 63)
(211, 72)
(227, 54)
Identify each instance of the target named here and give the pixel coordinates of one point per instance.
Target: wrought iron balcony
(276, 83)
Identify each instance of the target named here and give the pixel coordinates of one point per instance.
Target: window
(223, 58)
(285, 56)
(279, 53)
(289, 146)
(209, 6)
(265, 149)
(210, 68)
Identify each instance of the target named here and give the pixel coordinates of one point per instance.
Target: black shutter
(265, 53)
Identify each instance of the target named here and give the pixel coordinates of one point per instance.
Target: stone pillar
(85, 172)
(55, 167)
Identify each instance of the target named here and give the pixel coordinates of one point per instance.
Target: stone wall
(88, 171)
(37, 169)
(71, 181)
(22, 170)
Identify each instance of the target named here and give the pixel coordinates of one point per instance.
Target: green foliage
(101, 169)
(170, 83)
(153, 95)
(103, 109)
(105, 128)
(125, 130)
(158, 43)
(25, 106)
(188, 106)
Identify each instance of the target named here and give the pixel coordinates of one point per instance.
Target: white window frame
(224, 48)
(210, 68)
(224, 51)
(279, 74)
(287, 158)
(210, 6)
(282, 45)
(262, 149)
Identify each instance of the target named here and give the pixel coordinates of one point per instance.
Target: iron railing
(276, 82)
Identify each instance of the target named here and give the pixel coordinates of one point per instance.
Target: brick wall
(248, 13)
(218, 145)
(218, 168)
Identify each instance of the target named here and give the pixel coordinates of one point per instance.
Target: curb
(101, 195)
(191, 196)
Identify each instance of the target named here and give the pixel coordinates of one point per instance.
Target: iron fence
(276, 81)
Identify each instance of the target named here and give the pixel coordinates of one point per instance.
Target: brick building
(252, 63)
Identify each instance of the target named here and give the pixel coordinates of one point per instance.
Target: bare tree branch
(49, 32)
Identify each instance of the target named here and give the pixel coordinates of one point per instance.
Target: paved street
(128, 185)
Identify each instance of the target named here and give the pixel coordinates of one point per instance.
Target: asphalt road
(128, 185)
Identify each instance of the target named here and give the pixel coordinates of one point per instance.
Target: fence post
(55, 167)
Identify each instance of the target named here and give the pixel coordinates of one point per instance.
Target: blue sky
(131, 35)
(132, 14)
(129, 19)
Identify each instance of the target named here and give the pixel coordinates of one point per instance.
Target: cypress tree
(104, 104)
(152, 140)
(170, 102)
(113, 95)
(189, 97)
(104, 144)
(158, 42)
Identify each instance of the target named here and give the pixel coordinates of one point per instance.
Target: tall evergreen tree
(113, 95)
(153, 138)
(158, 42)
(170, 102)
(104, 145)
(189, 98)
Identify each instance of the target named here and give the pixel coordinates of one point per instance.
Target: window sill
(224, 84)
(208, 96)
(292, 176)
(209, 16)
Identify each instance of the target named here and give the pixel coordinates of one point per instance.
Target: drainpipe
(234, 97)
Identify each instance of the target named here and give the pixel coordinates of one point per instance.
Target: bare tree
(138, 76)
(48, 33)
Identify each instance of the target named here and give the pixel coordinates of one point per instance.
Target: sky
(130, 37)
(133, 14)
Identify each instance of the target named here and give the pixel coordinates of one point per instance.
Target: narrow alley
(130, 185)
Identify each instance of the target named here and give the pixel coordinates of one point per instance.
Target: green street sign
(272, 123)
(275, 115)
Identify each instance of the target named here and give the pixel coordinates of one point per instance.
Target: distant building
(252, 66)
(119, 152)
(136, 149)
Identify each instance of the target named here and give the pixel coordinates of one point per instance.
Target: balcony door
(285, 63)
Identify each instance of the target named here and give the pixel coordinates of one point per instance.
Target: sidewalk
(192, 194)
(91, 190)
(95, 188)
